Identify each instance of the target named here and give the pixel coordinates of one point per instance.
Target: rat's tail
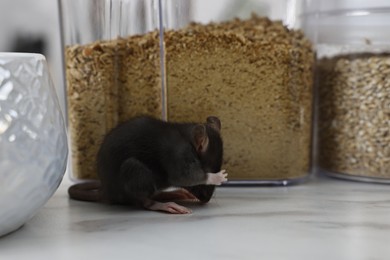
(86, 191)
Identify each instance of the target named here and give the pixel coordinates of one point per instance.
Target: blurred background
(33, 26)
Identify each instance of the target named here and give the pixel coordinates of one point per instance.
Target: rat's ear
(214, 123)
(200, 138)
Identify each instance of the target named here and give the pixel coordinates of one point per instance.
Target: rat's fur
(143, 156)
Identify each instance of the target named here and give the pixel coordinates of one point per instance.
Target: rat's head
(208, 144)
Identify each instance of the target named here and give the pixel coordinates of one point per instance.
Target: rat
(142, 157)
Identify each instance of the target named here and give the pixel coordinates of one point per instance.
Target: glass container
(33, 142)
(353, 88)
(245, 62)
(112, 72)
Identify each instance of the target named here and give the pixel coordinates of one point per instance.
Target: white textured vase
(33, 142)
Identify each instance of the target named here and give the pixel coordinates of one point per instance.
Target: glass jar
(242, 61)
(353, 85)
(112, 72)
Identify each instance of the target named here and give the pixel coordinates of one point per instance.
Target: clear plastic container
(353, 88)
(242, 62)
(245, 62)
(105, 63)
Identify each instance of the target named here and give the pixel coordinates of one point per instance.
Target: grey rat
(141, 157)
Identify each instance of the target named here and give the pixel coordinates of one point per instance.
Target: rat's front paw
(170, 207)
(216, 178)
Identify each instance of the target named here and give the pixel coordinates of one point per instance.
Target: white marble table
(322, 219)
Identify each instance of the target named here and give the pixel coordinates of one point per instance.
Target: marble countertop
(321, 219)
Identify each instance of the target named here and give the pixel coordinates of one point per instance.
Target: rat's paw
(217, 178)
(170, 207)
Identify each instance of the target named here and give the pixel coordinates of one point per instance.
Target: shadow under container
(247, 63)
(353, 85)
(242, 61)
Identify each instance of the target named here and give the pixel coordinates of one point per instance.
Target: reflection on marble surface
(322, 219)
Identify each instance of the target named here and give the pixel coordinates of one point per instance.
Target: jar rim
(22, 55)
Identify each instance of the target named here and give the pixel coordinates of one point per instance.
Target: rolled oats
(255, 74)
(354, 114)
